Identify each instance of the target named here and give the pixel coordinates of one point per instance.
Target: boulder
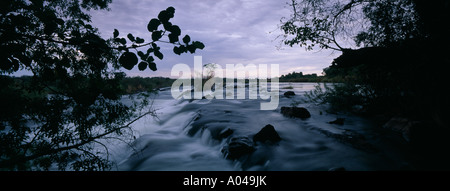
(267, 134)
(238, 147)
(289, 93)
(298, 112)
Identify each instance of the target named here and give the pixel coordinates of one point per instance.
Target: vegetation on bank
(132, 85)
(58, 117)
(300, 77)
(394, 71)
(126, 85)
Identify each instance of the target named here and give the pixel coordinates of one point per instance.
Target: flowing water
(184, 137)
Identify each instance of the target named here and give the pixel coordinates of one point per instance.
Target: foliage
(299, 77)
(400, 43)
(133, 85)
(329, 24)
(158, 27)
(341, 97)
(59, 117)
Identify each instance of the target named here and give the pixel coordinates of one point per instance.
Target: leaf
(167, 25)
(191, 48)
(171, 10)
(158, 54)
(153, 25)
(177, 50)
(139, 40)
(155, 47)
(128, 60)
(142, 55)
(186, 39)
(198, 45)
(183, 49)
(150, 50)
(175, 30)
(116, 33)
(152, 66)
(122, 41)
(164, 16)
(122, 48)
(131, 37)
(150, 59)
(156, 35)
(142, 65)
(173, 38)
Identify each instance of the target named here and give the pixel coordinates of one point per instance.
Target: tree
(59, 116)
(368, 23)
(392, 62)
(209, 71)
(385, 44)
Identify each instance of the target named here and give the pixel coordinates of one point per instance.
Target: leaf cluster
(159, 28)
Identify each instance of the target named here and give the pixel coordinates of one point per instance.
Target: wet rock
(238, 147)
(214, 121)
(225, 133)
(267, 134)
(195, 128)
(298, 112)
(338, 121)
(356, 140)
(349, 137)
(337, 169)
(289, 93)
(401, 125)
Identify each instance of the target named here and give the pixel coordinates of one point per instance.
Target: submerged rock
(267, 134)
(289, 93)
(238, 147)
(298, 112)
(338, 121)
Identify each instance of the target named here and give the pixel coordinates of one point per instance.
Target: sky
(233, 31)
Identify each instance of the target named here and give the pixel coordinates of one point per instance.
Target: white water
(164, 143)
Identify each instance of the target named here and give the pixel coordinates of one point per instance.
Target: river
(184, 137)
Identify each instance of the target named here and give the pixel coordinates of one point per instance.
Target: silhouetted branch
(77, 146)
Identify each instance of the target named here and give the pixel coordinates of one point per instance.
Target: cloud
(234, 32)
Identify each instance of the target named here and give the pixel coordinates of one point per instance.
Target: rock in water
(238, 147)
(289, 93)
(298, 112)
(225, 133)
(401, 125)
(338, 121)
(267, 133)
(337, 169)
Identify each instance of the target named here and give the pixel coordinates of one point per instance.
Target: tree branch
(9, 162)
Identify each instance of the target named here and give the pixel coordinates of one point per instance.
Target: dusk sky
(234, 32)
